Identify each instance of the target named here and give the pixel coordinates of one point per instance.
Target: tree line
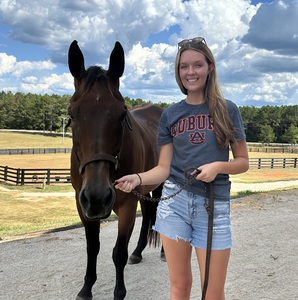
(266, 124)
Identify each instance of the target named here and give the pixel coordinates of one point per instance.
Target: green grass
(14, 140)
(28, 209)
(22, 213)
(59, 188)
(243, 194)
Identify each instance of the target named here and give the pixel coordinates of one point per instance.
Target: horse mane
(92, 75)
(141, 106)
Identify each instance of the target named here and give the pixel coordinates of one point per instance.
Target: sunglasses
(196, 40)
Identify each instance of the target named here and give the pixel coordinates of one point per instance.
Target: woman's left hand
(208, 172)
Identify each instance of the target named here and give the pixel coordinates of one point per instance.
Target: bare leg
(178, 254)
(217, 272)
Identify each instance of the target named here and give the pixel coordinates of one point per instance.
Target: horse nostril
(109, 194)
(97, 203)
(84, 201)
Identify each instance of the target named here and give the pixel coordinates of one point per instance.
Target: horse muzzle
(97, 203)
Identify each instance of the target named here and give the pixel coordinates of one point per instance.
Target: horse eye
(69, 113)
(123, 116)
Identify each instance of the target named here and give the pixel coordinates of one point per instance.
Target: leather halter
(99, 157)
(104, 156)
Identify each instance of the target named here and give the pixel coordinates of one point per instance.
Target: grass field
(31, 208)
(14, 140)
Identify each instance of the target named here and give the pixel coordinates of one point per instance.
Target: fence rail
(34, 151)
(273, 149)
(273, 163)
(250, 148)
(34, 176)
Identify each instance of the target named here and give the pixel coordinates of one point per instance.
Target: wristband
(140, 179)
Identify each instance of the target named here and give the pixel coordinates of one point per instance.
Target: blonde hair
(217, 105)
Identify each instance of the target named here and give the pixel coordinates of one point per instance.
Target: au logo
(197, 138)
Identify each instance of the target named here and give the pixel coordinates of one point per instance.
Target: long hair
(217, 105)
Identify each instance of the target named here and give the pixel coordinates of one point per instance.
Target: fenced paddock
(34, 151)
(273, 163)
(34, 176)
(293, 149)
(250, 148)
(48, 176)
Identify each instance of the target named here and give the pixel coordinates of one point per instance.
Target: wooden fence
(250, 148)
(34, 176)
(273, 163)
(273, 149)
(58, 176)
(34, 151)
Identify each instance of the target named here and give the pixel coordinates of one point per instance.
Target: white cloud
(47, 85)
(10, 65)
(7, 63)
(262, 69)
(96, 25)
(35, 66)
(217, 21)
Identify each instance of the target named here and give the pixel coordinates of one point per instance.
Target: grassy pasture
(14, 140)
(23, 212)
(26, 209)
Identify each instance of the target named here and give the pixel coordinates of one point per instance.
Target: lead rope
(190, 180)
(191, 173)
(210, 211)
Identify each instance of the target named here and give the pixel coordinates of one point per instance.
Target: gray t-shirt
(190, 129)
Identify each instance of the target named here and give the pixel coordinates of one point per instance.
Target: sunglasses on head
(196, 40)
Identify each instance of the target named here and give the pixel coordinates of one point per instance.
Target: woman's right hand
(127, 183)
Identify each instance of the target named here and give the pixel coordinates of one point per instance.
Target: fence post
(18, 176)
(22, 177)
(259, 163)
(49, 177)
(5, 173)
(295, 162)
(272, 163)
(284, 163)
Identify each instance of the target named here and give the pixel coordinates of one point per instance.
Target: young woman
(198, 132)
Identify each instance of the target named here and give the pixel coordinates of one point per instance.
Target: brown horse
(108, 141)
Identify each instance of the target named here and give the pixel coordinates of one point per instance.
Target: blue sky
(255, 44)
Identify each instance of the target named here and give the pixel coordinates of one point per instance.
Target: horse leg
(157, 194)
(93, 245)
(146, 207)
(120, 252)
(162, 254)
(146, 233)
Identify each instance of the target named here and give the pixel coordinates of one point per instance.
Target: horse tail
(153, 237)
(149, 217)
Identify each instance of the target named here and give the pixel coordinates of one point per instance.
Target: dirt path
(263, 266)
(263, 186)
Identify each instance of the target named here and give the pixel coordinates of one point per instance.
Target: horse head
(97, 111)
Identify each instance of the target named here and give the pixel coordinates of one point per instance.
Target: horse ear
(76, 60)
(116, 66)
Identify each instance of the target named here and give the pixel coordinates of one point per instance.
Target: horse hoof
(163, 257)
(133, 259)
(85, 298)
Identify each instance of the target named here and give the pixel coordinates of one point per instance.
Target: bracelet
(140, 179)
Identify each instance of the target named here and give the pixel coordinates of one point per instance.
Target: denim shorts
(185, 217)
